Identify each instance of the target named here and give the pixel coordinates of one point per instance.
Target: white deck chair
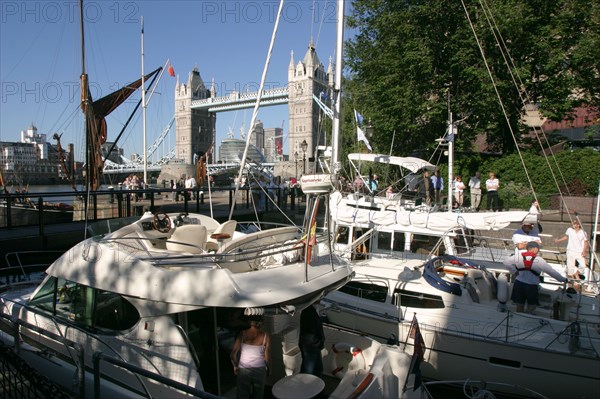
(227, 227)
(193, 234)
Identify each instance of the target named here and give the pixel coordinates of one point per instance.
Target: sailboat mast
(144, 112)
(335, 135)
(450, 139)
(82, 39)
(85, 102)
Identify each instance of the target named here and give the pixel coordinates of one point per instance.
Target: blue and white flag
(359, 118)
(360, 134)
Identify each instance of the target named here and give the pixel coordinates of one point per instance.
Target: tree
(410, 61)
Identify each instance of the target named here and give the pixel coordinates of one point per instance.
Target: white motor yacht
(152, 296)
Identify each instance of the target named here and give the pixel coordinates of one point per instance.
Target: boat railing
(482, 389)
(521, 326)
(100, 356)
(80, 352)
(79, 362)
(121, 202)
(355, 245)
(474, 244)
(20, 265)
(249, 255)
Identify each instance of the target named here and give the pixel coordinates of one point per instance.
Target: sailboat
(413, 259)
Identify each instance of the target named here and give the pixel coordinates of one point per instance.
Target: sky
(227, 40)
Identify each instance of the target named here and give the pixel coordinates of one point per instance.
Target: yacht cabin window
(414, 299)
(85, 306)
(373, 291)
(424, 244)
(390, 241)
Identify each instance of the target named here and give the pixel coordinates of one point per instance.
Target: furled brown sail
(96, 130)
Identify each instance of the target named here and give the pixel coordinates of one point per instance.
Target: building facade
(33, 160)
(194, 129)
(273, 146)
(306, 78)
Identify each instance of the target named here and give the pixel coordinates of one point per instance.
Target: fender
(502, 294)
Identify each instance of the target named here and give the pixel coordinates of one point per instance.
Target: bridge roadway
(235, 100)
(213, 168)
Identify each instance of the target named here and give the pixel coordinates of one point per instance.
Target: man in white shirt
(491, 185)
(475, 189)
(525, 234)
(190, 185)
(577, 249)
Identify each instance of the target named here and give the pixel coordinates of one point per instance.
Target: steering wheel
(161, 222)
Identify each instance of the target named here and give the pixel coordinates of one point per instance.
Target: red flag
(418, 353)
(415, 333)
(171, 70)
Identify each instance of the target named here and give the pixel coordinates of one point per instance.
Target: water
(60, 193)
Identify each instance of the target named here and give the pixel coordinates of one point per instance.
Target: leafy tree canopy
(410, 61)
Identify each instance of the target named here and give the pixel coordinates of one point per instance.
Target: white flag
(360, 135)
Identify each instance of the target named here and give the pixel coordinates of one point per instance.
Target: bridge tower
(194, 128)
(305, 78)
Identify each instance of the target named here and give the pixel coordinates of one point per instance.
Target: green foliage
(569, 172)
(410, 61)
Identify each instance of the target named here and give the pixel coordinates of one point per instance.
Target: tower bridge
(196, 108)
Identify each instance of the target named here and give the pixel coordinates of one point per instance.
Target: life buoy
(342, 347)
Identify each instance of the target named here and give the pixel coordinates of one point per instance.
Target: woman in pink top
(251, 360)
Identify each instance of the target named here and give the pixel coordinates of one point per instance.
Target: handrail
(200, 259)
(75, 345)
(98, 356)
(80, 363)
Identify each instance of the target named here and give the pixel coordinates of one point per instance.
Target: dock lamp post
(296, 160)
(304, 146)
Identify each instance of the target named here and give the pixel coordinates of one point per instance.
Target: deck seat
(189, 238)
(228, 228)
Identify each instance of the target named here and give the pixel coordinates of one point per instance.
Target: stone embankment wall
(582, 207)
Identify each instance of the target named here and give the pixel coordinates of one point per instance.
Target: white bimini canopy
(413, 164)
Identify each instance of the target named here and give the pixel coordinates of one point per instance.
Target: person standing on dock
(190, 187)
(458, 187)
(491, 185)
(475, 189)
